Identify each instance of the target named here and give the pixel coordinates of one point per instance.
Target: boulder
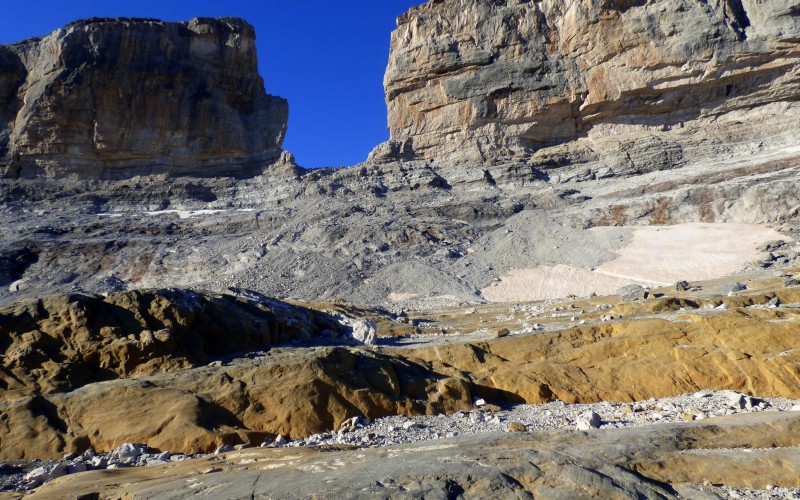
(631, 293)
(46, 473)
(733, 288)
(357, 330)
(588, 420)
(128, 451)
(364, 331)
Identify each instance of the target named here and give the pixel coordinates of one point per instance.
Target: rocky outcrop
(62, 342)
(291, 392)
(97, 371)
(114, 98)
(155, 391)
(667, 461)
(631, 83)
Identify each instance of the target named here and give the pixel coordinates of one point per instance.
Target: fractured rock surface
(60, 343)
(115, 98)
(629, 86)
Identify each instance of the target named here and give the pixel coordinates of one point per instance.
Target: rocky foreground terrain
(583, 229)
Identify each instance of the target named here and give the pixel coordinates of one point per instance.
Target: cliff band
(110, 98)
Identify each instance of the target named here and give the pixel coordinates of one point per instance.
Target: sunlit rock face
(478, 80)
(114, 98)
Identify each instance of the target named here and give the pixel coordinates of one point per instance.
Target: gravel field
(556, 415)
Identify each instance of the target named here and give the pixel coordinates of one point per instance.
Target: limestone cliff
(478, 80)
(120, 97)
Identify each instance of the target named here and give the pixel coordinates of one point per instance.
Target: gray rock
(771, 245)
(588, 420)
(150, 462)
(682, 286)
(128, 451)
(76, 467)
(365, 331)
(790, 281)
(737, 400)
(728, 289)
(46, 473)
(632, 293)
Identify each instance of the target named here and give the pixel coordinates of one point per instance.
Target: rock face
(114, 98)
(479, 80)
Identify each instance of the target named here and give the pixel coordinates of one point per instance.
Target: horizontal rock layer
(667, 461)
(115, 98)
(477, 80)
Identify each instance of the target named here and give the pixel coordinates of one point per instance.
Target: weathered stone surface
(639, 357)
(60, 343)
(634, 80)
(289, 392)
(114, 98)
(296, 392)
(646, 462)
(588, 420)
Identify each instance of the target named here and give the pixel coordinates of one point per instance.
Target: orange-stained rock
(474, 81)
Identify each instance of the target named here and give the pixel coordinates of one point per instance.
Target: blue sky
(326, 57)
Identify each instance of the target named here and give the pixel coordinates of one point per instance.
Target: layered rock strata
(60, 343)
(633, 84)
(663, 347)
(668, 461)
(114, 98)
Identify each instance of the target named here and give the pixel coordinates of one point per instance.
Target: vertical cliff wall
(475, 80)
(114, 98)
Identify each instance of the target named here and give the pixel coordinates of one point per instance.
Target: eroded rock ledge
(639, 82)
(113, 98)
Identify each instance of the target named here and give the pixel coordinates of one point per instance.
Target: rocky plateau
(572, 270)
